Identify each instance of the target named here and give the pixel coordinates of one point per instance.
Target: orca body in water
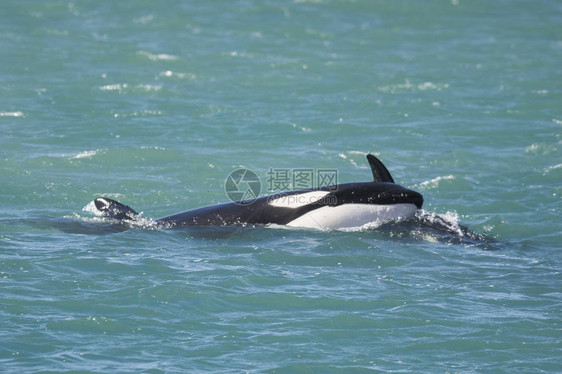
(330, 207)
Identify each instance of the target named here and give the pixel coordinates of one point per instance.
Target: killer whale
(328, 207)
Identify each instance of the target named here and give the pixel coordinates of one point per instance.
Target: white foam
(149, 87)
(169, 73)
(139, 222)
(448, 221)
(11, 114)
(159, 56)
(408, 86)
(434, 183)
(85, 154)
(114, 87)
(554, 167)
(143, 223)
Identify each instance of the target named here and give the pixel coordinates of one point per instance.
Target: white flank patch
(352, 215)
(298, 200)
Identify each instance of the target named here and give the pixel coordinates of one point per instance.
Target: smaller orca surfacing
(330, 207)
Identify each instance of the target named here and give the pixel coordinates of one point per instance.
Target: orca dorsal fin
(114, 209)
(380, 172)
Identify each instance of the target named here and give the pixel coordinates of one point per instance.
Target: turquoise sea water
(155, 103)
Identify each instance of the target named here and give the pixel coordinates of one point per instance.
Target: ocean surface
(155, 103)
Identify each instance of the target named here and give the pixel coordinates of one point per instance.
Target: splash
(446, 227)
(139, 222)
(448, 222)
(429, 227)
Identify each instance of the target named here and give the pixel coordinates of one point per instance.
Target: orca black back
(363, 201)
